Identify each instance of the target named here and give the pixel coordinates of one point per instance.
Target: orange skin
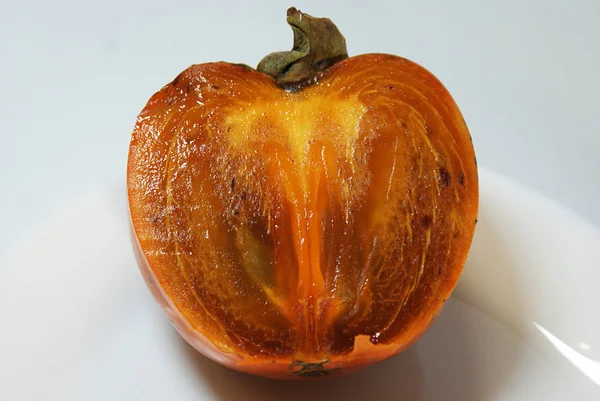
(306, 233)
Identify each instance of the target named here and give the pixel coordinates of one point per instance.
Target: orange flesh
(285, 226)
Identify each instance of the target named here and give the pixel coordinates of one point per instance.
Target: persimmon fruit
(306, 218)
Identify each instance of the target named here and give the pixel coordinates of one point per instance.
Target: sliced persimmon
(307, 229)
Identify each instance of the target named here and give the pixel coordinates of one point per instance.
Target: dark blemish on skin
(426, 221)
(390, 87)
(403, 124)
(233, 184)
(237, 212)
(476, 221)
(229, 129)
(461, 179)
(311, 369)
(445, 176)
(188, 88)
(455, 235)
(154, 219)
(215, 87)
(439, 269)
(244, 195)
(273, 362)
(177, 79)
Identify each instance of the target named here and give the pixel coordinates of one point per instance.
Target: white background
(75, 74)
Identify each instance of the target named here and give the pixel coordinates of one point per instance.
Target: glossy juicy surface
(286, 225)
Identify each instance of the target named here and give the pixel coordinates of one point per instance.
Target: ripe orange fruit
(306, 219)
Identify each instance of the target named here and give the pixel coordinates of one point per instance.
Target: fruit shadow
(460, 358)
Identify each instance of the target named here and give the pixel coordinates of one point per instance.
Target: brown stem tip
(318, 44)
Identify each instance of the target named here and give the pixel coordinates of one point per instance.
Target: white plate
(79, 323)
